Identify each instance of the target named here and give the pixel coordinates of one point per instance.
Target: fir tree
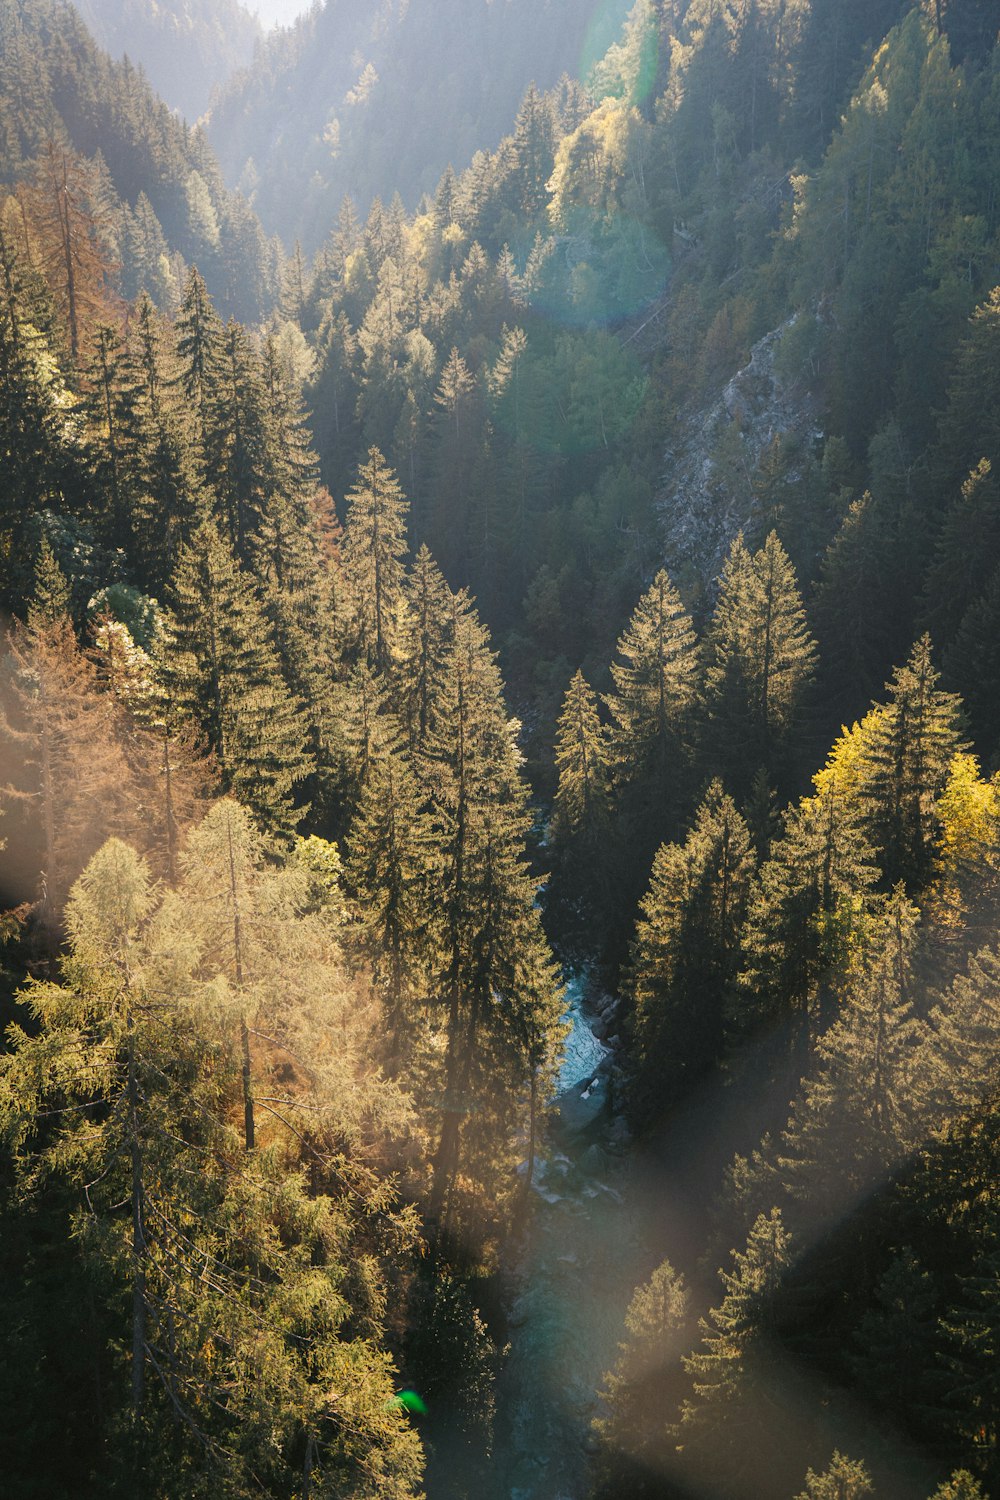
(655, 689)
(761, 659)
(909, 748)
(642, 1388)
(226, 669)
(845, 1479)
(686, 954)
(373, 549)
(730, 1372)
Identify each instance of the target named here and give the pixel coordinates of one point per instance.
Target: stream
(583, 1255)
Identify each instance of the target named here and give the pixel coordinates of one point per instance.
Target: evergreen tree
(642, 1389)
(865, 1106)
(496, 979)
(845, 1479)
(581, 760)
(731, 1371)
(910, 745)
(761, 659)
(655, 689)
(373, 549)
(806, 913)
(897, 1340)
(429, 618)
(686, 954)
(392, 863)
(199, 336)
(226, 669)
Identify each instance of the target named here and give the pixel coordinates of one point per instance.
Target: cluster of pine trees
(282, 1014)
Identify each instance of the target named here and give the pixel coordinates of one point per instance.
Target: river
(584, 1253)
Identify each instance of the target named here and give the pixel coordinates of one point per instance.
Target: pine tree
(373, 549)
(686, 954)
(655, 689)
(761, 659)
(642, 1389)
(730, 1371)
(910, 745)
(392, 864)
(226, 669)
(845, 1479)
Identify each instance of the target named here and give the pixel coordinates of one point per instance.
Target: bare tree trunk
(138, 1243)
(249, 1132)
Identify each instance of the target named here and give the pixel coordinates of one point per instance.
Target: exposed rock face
(711, 473)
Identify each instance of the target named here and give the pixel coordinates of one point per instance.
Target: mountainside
(155, 186)
(376, 98)
(185, 47)
(500, 762)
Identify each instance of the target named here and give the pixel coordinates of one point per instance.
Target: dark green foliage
(74, 93)
(226, 670)
(687, 954)
(906, 760)
(761, 659)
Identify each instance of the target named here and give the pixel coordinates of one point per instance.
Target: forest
(453, 615)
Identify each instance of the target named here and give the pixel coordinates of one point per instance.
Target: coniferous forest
(500, 751)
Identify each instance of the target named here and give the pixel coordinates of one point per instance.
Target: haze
(278, 12)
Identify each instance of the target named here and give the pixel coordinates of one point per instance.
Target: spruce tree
(655, 690)
(806, 913)
(865, 1106)
(429, 618)
(845, 1479)
(373, 549)
(199, 335)
(909, 747)
(761, 658)
(392, 865)
(686, 955)
(226, 670)
(495, 978)
(580, 806)
(731, 1371)
(642, 1389)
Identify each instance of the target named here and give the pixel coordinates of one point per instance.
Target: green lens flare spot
(409, 1401)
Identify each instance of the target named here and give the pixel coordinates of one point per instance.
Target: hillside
(373, 99)
(185, 48)
(500, 749)
(155, 183)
